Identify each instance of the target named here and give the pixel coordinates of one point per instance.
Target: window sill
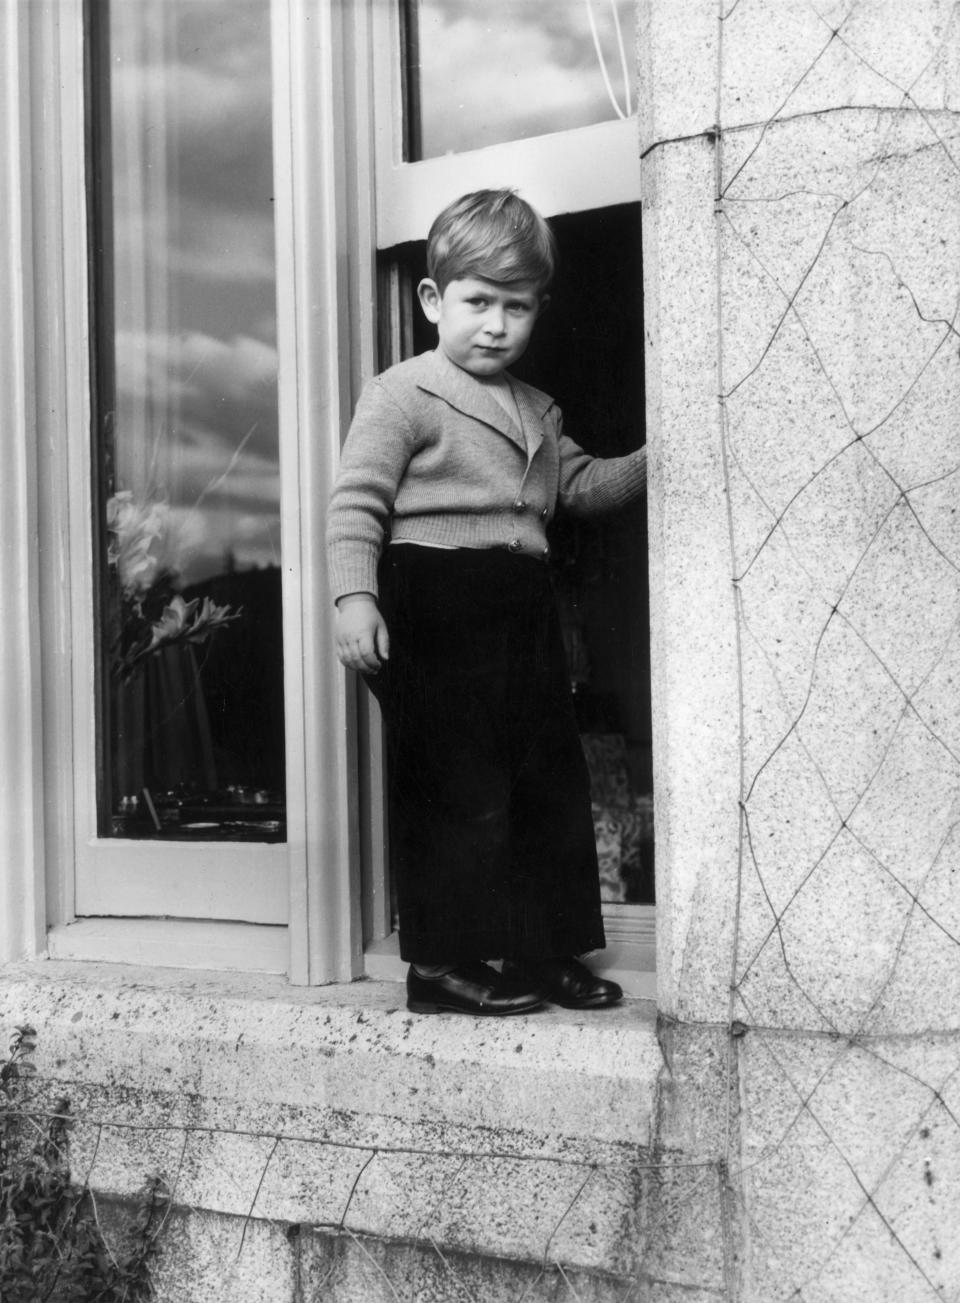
(334, 1106)
(173, 943)
(630, 956)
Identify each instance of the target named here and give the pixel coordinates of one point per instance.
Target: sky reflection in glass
(192, 706)
(482, 74)
(195, 316)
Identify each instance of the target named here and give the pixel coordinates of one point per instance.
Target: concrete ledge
(334, 1107)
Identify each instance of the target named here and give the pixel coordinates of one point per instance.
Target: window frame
(22, 894)
(325, 68)
(116, 875)
(583, 168)
(45, 110)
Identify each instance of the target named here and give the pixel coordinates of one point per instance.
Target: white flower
(138, 534)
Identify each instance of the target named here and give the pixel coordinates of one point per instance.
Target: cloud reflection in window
(194, 293)
(512, 69)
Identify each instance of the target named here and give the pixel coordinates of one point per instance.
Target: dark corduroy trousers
(491, 828)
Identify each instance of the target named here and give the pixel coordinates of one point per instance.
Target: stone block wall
(802, 252)
(322, 1144)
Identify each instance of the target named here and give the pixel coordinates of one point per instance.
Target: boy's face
(482, 326)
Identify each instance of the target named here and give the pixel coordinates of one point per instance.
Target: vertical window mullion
(21, 836)
(314, 227)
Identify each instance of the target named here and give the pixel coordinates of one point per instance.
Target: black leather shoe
(471, 988)
(566, 982)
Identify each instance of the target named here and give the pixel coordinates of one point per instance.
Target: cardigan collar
(457, 387)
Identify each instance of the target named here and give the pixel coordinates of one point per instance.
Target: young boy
(450, 475)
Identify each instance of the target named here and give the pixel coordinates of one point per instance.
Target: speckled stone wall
(802, 251)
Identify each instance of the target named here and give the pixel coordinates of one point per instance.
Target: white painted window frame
(22, 896)
(327, 59)
(291, 908)
(115, 875)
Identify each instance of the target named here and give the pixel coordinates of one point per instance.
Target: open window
(546, 109)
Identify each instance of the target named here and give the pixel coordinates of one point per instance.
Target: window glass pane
(186, 402)
(483, 74)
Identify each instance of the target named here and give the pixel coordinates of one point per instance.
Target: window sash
(564, 172)
(314, 878)
(117, 876)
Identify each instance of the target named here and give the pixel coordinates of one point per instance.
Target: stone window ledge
(335, 1107)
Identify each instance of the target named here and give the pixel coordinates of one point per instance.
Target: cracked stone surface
(826, 932)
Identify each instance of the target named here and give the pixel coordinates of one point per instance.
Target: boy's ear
(429, 295)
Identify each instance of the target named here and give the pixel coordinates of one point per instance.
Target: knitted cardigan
(432, 457)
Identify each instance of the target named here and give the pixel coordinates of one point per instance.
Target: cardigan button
(514, 545)
(519, 506)
(546, 554)
(544, 513)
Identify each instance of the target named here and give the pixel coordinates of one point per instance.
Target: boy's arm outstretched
(596, 486)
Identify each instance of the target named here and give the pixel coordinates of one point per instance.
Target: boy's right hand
(363, 642)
